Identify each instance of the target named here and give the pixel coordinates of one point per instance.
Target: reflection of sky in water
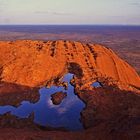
(96, 84)
(67, 114)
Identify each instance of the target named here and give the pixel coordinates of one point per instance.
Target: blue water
(96, 84)
(66, 115)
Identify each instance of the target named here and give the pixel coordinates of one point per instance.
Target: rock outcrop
(58, 97)
(33, 63)
(112, 111)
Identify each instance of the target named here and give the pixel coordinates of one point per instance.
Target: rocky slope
(33, 63)
(112, 111)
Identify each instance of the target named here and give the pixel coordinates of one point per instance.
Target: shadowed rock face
(13, 94)
(33, 63)
(110, 114)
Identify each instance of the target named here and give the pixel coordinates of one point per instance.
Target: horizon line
(69, 24)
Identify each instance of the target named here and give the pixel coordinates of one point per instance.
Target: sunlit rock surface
(33, 63)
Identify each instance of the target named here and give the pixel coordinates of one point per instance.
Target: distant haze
(123, 12)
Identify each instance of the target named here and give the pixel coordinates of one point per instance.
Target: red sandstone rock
(112, 112)
(58, 97)
(33, 63)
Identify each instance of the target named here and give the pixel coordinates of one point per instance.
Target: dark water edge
(65, 115)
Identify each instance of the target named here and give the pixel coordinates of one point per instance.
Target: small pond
(96, 85)
(66, 114)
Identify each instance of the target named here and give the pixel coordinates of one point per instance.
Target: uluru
(33, 63)
(110, 111)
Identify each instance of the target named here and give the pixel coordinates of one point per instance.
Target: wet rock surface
(58, 97)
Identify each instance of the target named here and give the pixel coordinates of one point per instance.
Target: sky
(122, 12)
